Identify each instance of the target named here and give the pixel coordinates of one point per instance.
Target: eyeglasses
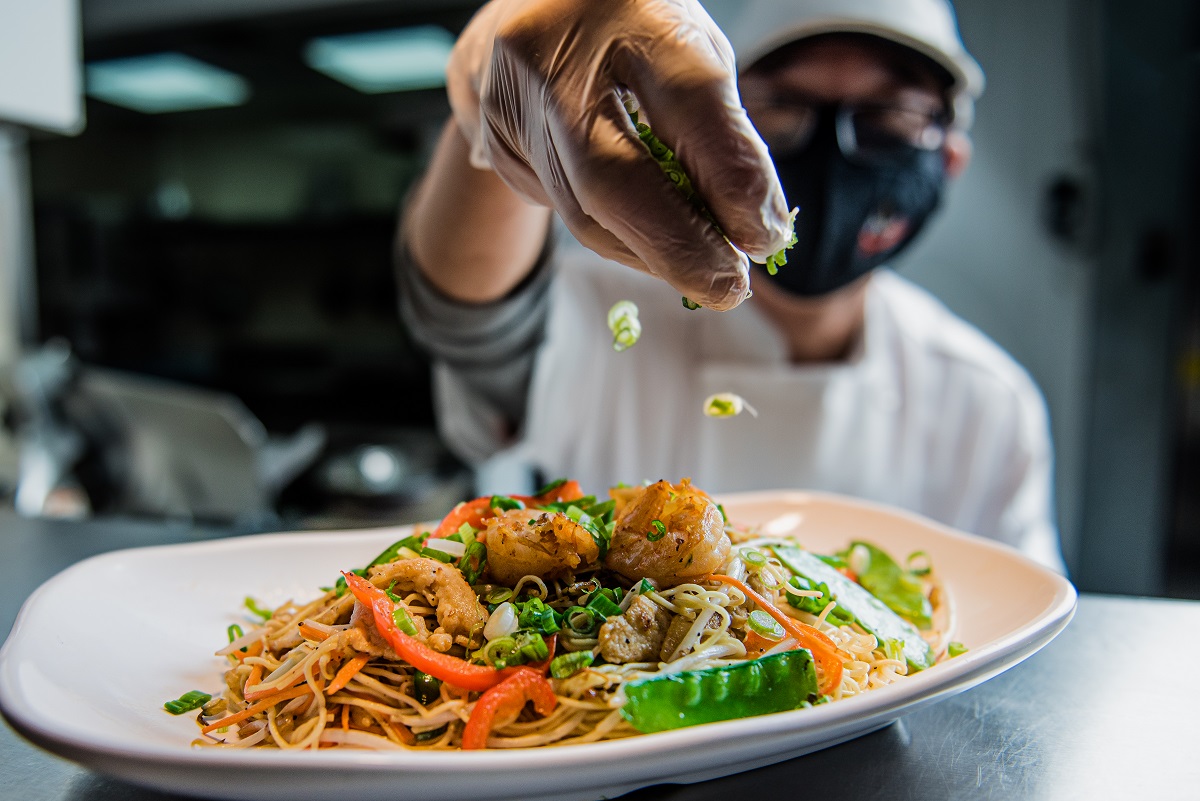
(865, 132)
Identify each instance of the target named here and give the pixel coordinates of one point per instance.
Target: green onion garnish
(726, 404)
(690, 305)
(499, 595)
(765, 625)
(956, 648)
(187, 702)
(624, 324)
(253, 606)
(426, 688)
(505, 503)
(235, 631)
(404, 621)
(600, 603)
(569, 664)
(551, 487)
(582, 622)
(753, 558)
(660, 531)
(430, 734)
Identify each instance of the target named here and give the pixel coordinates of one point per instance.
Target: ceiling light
(384, 61)
(165, 82)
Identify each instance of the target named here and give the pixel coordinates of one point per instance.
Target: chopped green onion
(660, 531)
(187, 702)
(426, 688)
(430, 734)
(441, 556)
(645, 586)
(499, 595)
(624, 324)
(956, 648)
(582, 622)
(505, 503)
(551, 487)
(753, 558)
(404, 621)
(253, 606)
(690, 305)
(726, 404)
(765, 625)
(724, 517)
(600, 603)
(569, 664)
(473, 561)
(235, 631)
(924, 566)
(778, 259)
(532, 646)
(467, 532)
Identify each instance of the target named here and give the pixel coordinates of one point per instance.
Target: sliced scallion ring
(624, 324)
(726, 404)
(765, 625)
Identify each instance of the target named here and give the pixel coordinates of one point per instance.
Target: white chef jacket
(927, 414)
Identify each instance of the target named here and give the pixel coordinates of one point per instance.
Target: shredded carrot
(251, 711)
(254, 678)
(823, 649)
(312, 633)
(254, 649)
(348, 671)
(345, 717)
(254, 695)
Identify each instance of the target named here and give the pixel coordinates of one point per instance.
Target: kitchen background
(206, 316)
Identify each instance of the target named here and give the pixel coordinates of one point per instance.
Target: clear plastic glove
(537, 88)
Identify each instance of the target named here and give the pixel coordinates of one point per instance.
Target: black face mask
(853, 216)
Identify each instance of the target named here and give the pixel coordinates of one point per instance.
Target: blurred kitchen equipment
(146, 446)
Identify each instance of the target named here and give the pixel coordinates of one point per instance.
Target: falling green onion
(187, 702)
(726, 404)
(690, 305)
(253, 606)
(569, 664)
(765, 625)
(624, 324)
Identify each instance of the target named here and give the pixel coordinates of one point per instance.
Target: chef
(854, 112)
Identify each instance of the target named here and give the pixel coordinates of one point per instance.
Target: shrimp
(458, 609)
(667, 533)
(523, 542)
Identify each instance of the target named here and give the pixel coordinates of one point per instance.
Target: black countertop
(1110, 709)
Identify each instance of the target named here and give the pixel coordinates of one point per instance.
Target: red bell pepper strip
(824, 650)
(567, 491)
(507, 698)
(452, 670)
(473, 512)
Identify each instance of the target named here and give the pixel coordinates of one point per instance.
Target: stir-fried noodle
(608, 596)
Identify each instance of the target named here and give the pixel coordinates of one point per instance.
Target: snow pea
(776, 683)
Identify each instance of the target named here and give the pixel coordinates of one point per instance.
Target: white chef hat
(757, 27)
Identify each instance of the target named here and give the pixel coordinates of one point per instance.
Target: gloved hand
(537, 89)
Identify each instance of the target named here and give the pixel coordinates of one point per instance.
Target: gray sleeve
(483, 354)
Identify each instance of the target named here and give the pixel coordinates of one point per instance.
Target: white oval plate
(98, 648)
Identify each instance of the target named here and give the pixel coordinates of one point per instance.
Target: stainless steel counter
(1110, 709)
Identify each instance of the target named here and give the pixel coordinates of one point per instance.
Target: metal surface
(1105, 711)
